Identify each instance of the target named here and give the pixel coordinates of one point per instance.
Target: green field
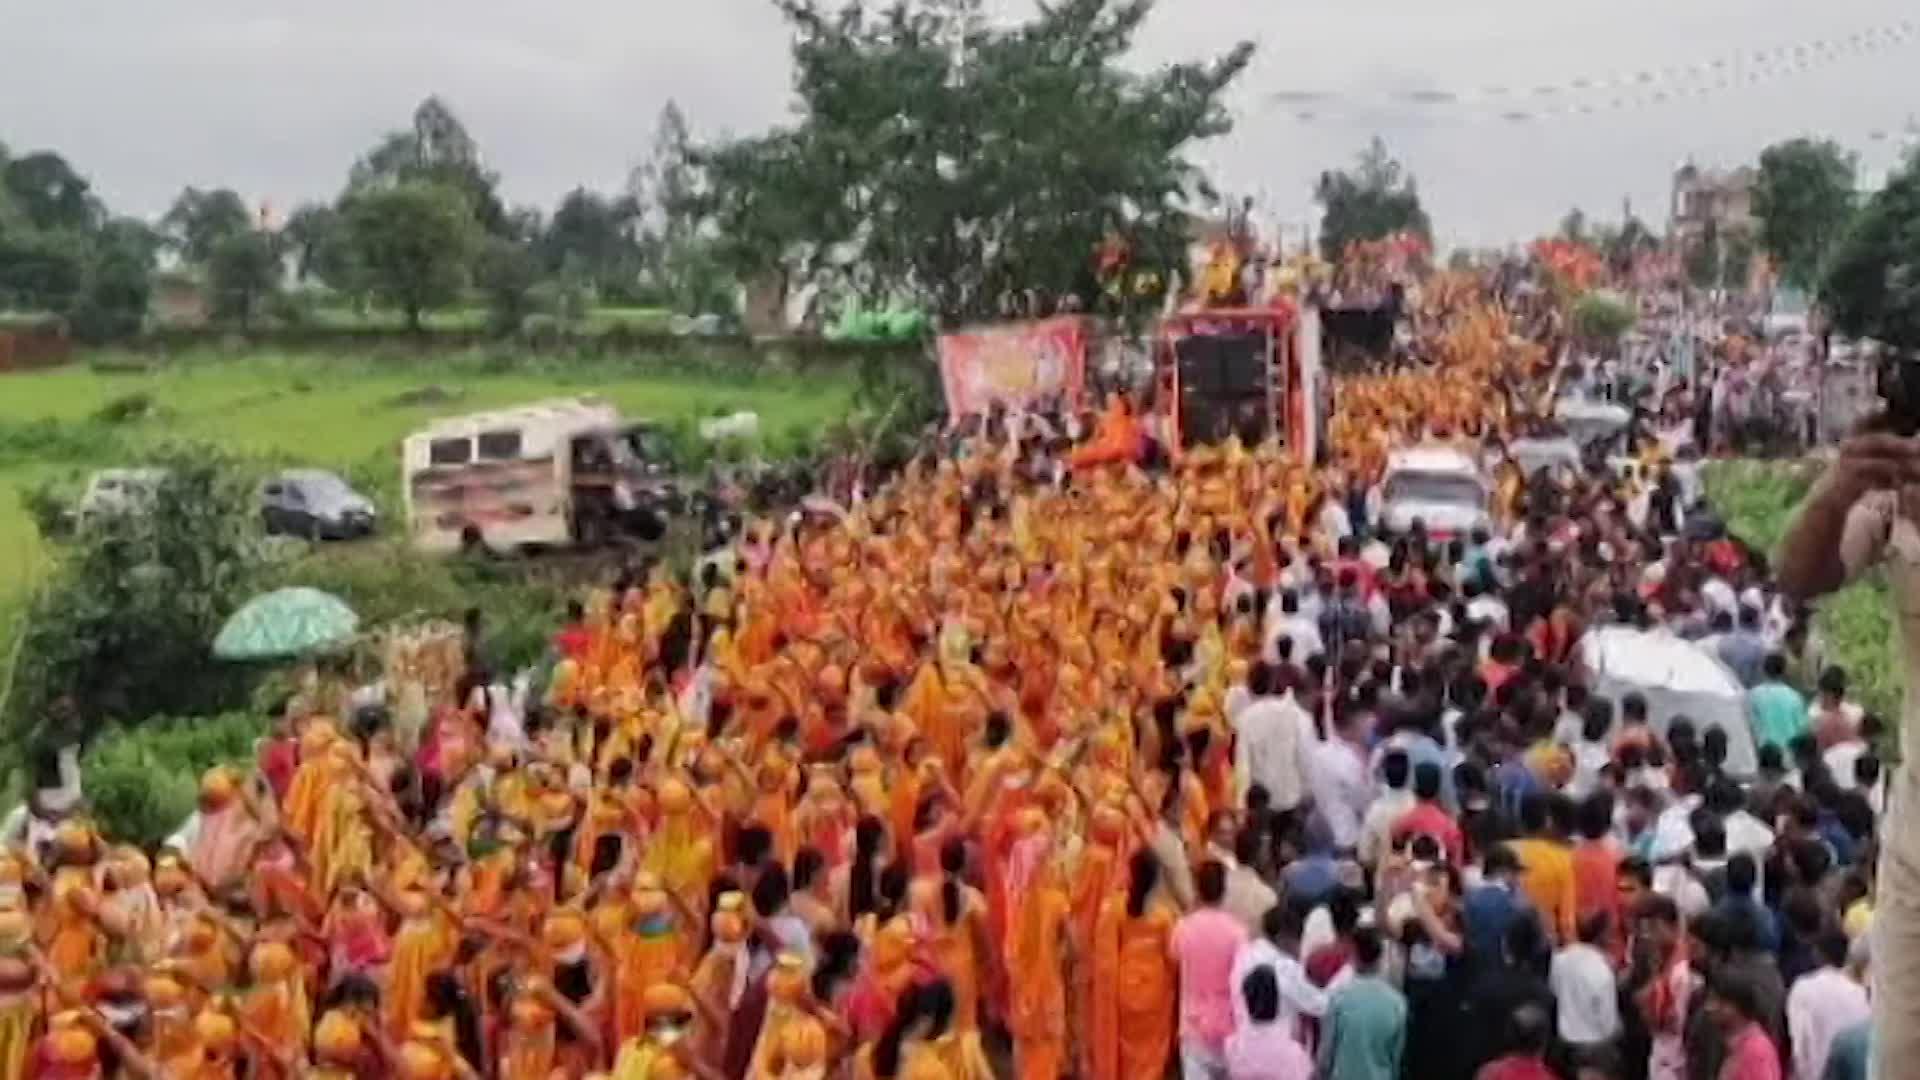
(332, 411)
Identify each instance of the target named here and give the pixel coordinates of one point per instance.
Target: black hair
(1367, 947)
(808, 863)
(1210, 881)
(1262, 992)
(1143, 875)
(1742, 874)
(1426, 781)
(1395, 767)
(770, 892)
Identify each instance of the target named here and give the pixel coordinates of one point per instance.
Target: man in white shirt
(1337, 776)
(1822, 1004)
(1268, 749)
(1394, 800)
(1278, 948)
(1583, 985)
(1285, 618)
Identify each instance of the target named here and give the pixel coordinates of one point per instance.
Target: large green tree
(946, 159)
(198, 221)
(50, 193)
(61, 253)
(1374, 199)
(243, 270)
(1872, 283)
(316, 237)
(435, 149)
(413, 243)
(1802, 197)
(599, 235)
(684, 262)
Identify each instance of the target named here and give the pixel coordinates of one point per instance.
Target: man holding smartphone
(1862, 514)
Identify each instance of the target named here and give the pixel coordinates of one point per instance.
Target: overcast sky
(276, 99)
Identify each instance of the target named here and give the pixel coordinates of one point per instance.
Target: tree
(413, 243)
(1601, 316)
(118, 282)
(199, 221)
(507, 271)
(316, 236)
(944, 159)
(1872, 285)
(1802, 197)
(243, 270)
(435, 149)
(599, 236)
(50, 194)
(1574, 225)
(122, 630)
(1376, 199)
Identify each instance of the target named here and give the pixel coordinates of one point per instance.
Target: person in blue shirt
(1490, 908)
(1741, 901)
(1776, 710)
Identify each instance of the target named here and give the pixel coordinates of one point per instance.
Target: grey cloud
(275, 99)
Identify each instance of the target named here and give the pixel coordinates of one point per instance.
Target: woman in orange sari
(1040, 949)
(275, 1007)
(423, 945)
(1131, 980)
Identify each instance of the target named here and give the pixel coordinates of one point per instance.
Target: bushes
(143, 781)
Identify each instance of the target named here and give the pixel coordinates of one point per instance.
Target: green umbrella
(286, 622)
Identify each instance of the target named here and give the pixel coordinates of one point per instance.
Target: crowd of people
(1019, 769)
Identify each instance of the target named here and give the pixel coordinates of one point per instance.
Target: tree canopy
(1872, 284)
(1803, 198)
(414, 242)
(60, 252)
(435, 149)
(946, 160)
(1374, 199)
(199, 220)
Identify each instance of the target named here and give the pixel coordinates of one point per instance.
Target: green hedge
(143, 781)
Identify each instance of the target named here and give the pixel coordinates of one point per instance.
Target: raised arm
(1820, 546)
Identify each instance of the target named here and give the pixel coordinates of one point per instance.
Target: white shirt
(1304, 632)
(1488, 609)
(1839, 759)
(1337, 776)
(1582, 982)
(1589, 758)
(1298, 996)
(1821, 1005)
(1376, 828)
(1269, 750)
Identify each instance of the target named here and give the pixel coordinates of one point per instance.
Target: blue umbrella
(284, 623)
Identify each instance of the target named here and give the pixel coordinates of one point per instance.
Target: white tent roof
(1657, 658)
(1677, 678)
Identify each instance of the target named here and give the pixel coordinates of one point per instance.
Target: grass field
(332, 411)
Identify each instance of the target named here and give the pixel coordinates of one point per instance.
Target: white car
(1438, 486)
(113, 492)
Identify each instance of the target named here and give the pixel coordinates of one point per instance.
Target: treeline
(419, 224)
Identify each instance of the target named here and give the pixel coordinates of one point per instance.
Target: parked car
(113, 492)
(315, 504)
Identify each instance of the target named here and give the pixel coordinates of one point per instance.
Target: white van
(1440, 486)
(555, 473)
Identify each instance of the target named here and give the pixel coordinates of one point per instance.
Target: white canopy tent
(1678, 678)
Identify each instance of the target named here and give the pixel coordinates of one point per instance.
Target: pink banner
(1014, 365)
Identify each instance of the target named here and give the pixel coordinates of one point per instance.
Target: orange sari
(1037, 1012)
(1131, 986)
